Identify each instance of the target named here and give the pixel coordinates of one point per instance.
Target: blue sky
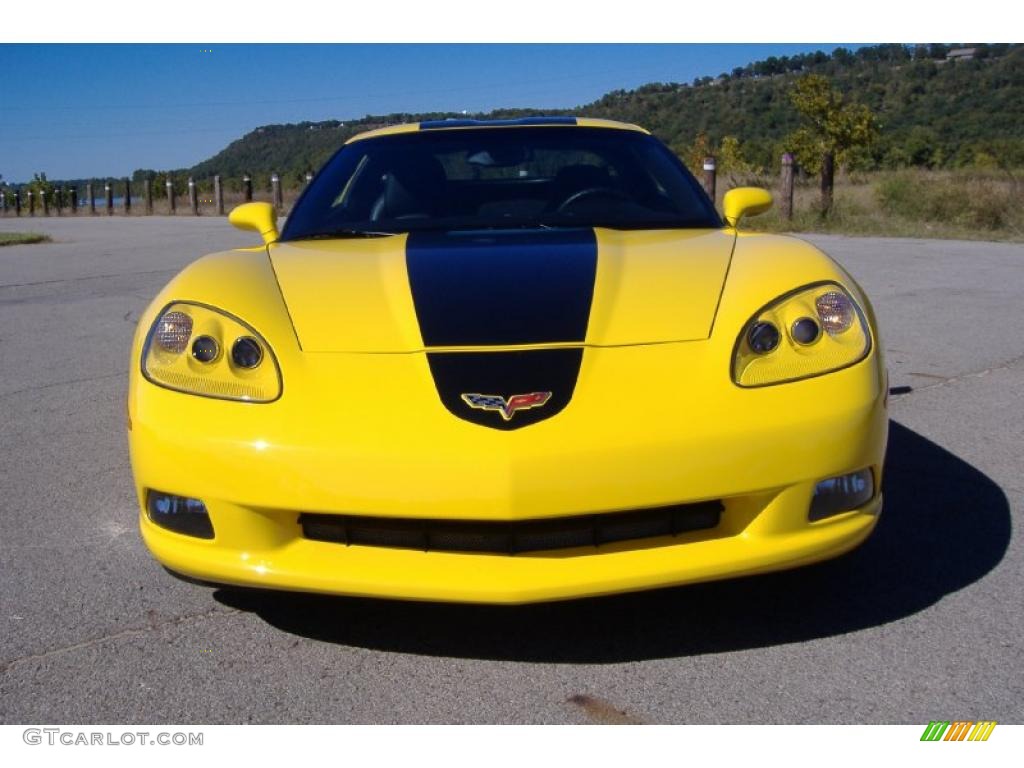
(75, 111)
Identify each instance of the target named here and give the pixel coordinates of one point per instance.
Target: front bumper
(373, 445)
(273, 555)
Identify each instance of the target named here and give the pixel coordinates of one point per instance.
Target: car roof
(462, 124)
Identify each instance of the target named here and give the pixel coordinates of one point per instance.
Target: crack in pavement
(128, 632)
(946, 381)
(88, 277)
(37, 387)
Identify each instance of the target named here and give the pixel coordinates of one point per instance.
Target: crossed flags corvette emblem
(507, 408)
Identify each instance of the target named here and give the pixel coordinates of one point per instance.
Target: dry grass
(22, 238)
(987, 205)
(965, 205)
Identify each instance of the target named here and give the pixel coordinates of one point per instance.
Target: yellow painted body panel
(596, 122)
(657, 286)
(364, 432)
(387, 130)
(256, 217)
(349, 295)
(353, 295)
(745, 201)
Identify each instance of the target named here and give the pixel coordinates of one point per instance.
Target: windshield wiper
(493, 226)
(335, 234)
(624, 224)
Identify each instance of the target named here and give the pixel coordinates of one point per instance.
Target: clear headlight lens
(836, 311)
(183, 353)
(821, 328)
(173, 330)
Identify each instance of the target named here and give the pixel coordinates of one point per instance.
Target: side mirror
(745, 201)
(257, 217)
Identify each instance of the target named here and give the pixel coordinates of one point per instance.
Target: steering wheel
(575, 197)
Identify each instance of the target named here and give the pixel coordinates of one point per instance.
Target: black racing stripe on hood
(491, 288)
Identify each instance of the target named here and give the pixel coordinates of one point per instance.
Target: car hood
(506, 289)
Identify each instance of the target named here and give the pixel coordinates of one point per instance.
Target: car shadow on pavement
(945, 525)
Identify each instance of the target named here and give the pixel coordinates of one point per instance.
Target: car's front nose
(647, 427)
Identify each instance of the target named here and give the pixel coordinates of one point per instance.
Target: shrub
(975, 201)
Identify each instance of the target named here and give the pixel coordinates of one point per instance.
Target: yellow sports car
(503, 362)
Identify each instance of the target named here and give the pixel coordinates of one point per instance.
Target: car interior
(463, 182)
(414, 185)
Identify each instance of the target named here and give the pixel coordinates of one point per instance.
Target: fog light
(179, 514)
(842, 494)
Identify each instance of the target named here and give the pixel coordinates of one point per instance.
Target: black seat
(573, 179)
(414, 187)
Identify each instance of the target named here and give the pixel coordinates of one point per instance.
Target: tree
(40, 184)
(833, 128)
(733, 159)
(694, 154)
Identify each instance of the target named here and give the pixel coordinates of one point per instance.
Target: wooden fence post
(247, 188)
(127, 197)
(709, 177)
(108, 195)
(193, 196)
(89, 193)
(31, 203)
(45, 201)
(74, 201)
(58, 200)
(218, 195)
(171, 205)
(275, 189)
(786, 196)
(17, 203)
(3, 203)
(147, 192)
(828, 168)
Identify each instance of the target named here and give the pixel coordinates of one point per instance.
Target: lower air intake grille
(509, 538)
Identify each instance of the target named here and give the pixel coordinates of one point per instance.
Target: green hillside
(293, 149)
(934, 112)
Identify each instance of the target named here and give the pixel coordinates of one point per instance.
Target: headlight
(811, 331)
(204, 351)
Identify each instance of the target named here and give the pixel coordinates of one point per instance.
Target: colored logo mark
(958, 730)
(507, 408)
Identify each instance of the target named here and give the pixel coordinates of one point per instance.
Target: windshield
(500, 178)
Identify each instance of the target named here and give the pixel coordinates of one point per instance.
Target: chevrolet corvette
(505, 362)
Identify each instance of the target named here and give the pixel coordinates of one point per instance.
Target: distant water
(101, 201)
(83, 202)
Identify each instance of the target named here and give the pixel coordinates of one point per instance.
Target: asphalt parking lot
(923, 622)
